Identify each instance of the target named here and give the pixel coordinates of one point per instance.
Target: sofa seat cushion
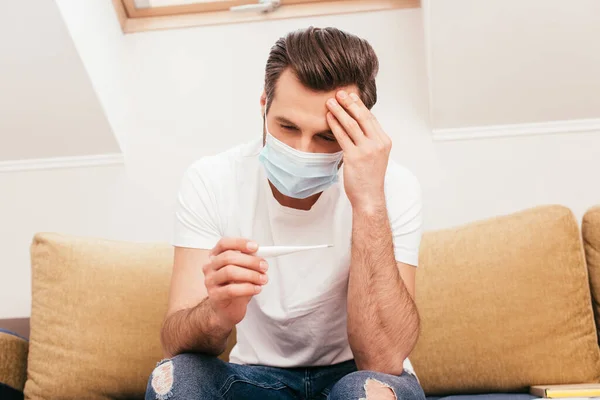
(13, 362)
(486, 396)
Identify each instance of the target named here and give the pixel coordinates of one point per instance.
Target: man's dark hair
(324, 59)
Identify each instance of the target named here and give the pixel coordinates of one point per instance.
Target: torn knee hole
(162, 380)
(377, 390)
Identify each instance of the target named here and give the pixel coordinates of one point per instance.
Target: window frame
(135, 20)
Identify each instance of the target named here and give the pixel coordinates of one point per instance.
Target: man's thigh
(377, 386)
(197, 376)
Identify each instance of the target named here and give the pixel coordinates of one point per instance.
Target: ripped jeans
(201, 377)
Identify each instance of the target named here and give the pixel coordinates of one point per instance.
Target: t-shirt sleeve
(196, 210)
(404, 203)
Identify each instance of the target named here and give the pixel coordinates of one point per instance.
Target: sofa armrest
(13, 361)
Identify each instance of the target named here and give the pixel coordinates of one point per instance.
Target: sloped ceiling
(495, 62)
(48, 107)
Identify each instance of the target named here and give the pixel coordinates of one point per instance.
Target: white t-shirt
(299, 318)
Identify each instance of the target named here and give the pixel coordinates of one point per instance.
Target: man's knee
(376, 390)
(369, 385)
(183, 373)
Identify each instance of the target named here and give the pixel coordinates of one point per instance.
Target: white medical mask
(295, 173)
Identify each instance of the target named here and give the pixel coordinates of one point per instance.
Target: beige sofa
(505, 303)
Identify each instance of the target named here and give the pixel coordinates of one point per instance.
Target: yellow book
(566, 391)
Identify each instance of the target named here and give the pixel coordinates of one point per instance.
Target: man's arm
(191, 324)
(383, 322)
(209, 295)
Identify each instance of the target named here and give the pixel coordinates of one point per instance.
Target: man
(334, 323)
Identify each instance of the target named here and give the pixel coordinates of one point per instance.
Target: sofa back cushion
(505, 304)
(97, 309)
(590, 228)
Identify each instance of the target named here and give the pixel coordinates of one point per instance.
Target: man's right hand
(232, 276)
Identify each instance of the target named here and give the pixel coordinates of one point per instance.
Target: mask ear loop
(265, 121)
(265, 128)
(265, 114)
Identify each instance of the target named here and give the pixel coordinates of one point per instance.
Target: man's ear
(263, 102)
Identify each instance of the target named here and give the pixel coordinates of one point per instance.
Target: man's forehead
(290, 92)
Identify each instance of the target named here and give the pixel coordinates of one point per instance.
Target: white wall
(513, 61)
(94, 201)
(193, 92)
(43, 84)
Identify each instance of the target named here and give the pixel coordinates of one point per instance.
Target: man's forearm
(383, 321)
(194, 330)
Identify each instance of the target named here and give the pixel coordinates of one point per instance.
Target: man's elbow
(174, 344)
(390, 367)
(170, 349)
(391, 364)
(171, 340)
(412, 337)
(392, 360)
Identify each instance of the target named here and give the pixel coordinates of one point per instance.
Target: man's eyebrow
(285, 121)
(327, 132)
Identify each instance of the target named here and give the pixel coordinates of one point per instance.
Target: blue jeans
(201, 377)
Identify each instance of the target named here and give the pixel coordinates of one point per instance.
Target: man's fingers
(239, 244)
(234, 290)
(340, 134)
(236, 274)
(349, 124)
(377, 129)
(373, 127)
(231, 257)
(357, 110)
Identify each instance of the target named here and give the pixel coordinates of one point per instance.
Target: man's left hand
(366, 150)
